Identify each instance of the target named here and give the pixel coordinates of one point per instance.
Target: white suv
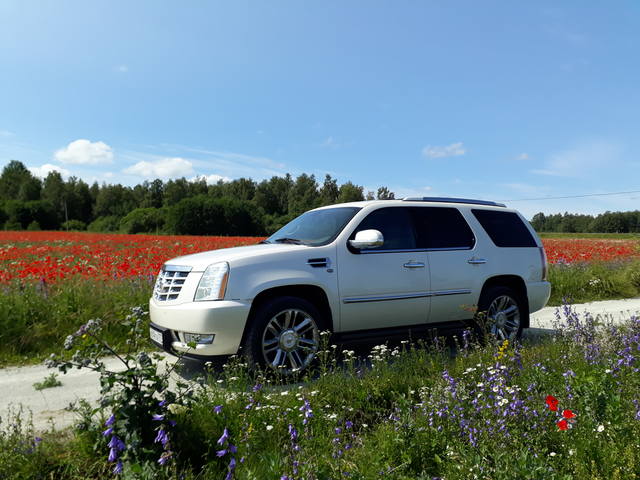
(361, 270)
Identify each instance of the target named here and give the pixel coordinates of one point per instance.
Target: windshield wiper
(263, 241)
(293, 241)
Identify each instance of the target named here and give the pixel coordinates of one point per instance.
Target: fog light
(198, 338)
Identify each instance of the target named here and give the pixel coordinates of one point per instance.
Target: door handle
(476, 261)
(413, 265)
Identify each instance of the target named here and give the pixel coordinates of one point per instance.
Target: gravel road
(49, 406)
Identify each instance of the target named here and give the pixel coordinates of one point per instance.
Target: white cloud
(84, 152)
(163, 168)
(210, 179)
(45, 169)
(121, 69)
(523, 156)
(453, 150)
(6, 133)
(580, 161)
(330, 142)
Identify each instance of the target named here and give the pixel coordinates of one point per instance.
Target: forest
(182, 207)
(193, 207)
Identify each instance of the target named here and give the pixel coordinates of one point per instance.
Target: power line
(572, 196)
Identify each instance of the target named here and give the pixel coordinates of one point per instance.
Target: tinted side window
(441, 227)
(505, 228)
(395, 226)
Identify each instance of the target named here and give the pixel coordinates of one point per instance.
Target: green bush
(74, 225)
(12, 225)
(106, 224)
(144, 220)
(33, 226)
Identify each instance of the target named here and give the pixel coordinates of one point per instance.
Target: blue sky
(497, 100)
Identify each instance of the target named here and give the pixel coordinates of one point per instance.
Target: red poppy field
(53, 256)
(572, 250)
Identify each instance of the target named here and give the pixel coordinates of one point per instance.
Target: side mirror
(367, 239)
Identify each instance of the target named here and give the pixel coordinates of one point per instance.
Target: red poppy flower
(552, 403)
(563, 425)
(568, 414)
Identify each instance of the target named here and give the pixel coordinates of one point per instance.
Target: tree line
(181, 207)
(608, 222)
(193, 207)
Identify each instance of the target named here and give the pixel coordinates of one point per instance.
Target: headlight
(213, 283)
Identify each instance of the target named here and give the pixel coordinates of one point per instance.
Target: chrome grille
(169, 282)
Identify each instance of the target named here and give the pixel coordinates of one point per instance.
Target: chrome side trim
(417, 250)
(437, 293)
(440, 293)
(385, 298)
(176, 268)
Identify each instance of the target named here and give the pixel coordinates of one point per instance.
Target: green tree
(385, 194)
(329, 191)
(174, 191)
(273, 195)
(303, 195)
(350, 193)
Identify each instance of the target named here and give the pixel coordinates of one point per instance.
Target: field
(53, 281)
(562, 407)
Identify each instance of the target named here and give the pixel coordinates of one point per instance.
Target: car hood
(200, 261)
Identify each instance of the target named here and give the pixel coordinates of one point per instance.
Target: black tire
(502, 313)
(284, 335)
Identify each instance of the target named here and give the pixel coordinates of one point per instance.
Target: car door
(450, 242)
(387, 286)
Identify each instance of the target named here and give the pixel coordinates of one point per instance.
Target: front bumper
(225, 319)
(538, 294)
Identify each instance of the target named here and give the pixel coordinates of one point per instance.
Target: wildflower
(162, 437)
(217, 409)
(157, 417)
(164, 458)
(563, 425)
(552, 403)
(110, 421)
(269, 428)
(600, 428)
(118, 468)
(224, 437)
(568, 414)
(502, 349)
(107, 432)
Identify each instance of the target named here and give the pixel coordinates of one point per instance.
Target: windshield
(315, 228)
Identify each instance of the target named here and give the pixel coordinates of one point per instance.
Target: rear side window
(442, 228)
(506, 229)
(395, 225)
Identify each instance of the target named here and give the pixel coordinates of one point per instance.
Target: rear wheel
(504, 313)
(284, 335)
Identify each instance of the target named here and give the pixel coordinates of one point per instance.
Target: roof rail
(454, 200)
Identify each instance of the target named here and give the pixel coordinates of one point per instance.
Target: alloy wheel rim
(290, 341)
(504, 318)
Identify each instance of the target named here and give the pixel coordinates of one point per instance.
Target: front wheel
(284, 335)
(504, 313)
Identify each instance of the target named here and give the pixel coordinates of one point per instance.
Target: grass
(403, 412)
(50, 381)
(588, 282)
(35, 319)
